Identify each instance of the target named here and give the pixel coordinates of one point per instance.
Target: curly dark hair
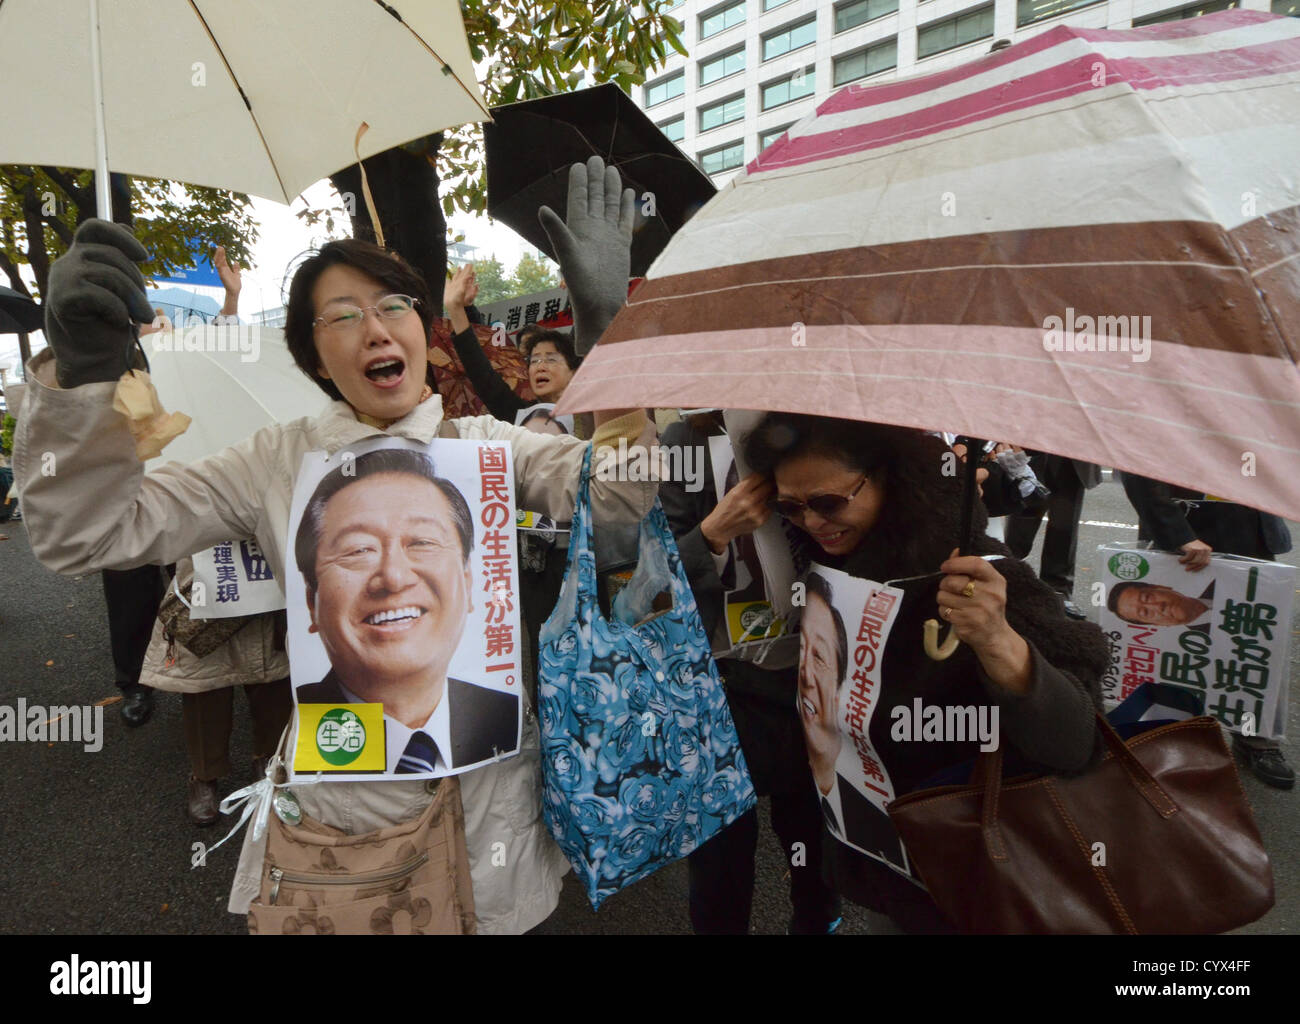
(387, 268)
(920, 516)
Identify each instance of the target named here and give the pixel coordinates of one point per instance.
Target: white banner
(1221, 634)
(236, 579)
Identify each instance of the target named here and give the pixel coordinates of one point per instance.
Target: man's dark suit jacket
(1227, 527)
(481, 719)
(865, 825)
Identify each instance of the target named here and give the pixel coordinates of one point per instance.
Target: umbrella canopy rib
(472, 94)
(234, 80)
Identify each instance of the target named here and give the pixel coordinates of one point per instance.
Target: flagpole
(103, 195)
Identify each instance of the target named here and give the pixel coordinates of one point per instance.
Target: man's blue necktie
(420, 755)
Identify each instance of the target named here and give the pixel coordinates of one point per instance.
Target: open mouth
(395, 618)
(829, 540)
(386, 372)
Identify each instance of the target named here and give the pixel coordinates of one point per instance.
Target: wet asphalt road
(100, 844)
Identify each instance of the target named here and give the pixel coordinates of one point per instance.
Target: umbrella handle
(930, 641)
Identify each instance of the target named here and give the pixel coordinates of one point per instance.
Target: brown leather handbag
(1157, 838)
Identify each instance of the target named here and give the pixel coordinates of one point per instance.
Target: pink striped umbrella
(1088, 243)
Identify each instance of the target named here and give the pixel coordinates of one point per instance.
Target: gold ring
(969, 589)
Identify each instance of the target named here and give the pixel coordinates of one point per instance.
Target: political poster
(880, 717)
(233, 578)
(845, 626)
(541, 419)
(750, 619)
(404, 637)
(773, 543)
(1222, 634)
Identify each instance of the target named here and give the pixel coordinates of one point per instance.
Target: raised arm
(87, 501)
(494, 392)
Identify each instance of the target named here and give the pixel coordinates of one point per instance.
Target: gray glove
(594, 247)
(95, 291)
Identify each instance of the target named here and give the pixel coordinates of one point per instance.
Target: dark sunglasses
(828, 506)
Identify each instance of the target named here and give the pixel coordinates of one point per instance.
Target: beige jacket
(250, 656)
(89, 505)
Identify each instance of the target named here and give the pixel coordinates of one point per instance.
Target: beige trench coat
(100, 510)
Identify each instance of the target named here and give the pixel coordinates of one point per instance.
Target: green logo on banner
(340, 737)
(1128, 565)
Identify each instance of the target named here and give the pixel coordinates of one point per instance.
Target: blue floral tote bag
(641, 763)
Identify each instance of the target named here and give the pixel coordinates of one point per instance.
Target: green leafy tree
(493, 284)
(40, 208)
(525, 49)
(533, 275)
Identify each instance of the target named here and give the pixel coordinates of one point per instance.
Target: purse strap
(988, 774)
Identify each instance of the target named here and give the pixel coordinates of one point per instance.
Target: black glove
(95, 291)
(594, 247)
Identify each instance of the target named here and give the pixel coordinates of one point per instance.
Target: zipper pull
(276, 875)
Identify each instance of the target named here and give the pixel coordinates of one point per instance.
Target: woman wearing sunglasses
(874, 502)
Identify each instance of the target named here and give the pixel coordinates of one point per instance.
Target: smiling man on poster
(384, 548)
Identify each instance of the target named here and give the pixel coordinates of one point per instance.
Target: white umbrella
(229, 394)
(256, 96)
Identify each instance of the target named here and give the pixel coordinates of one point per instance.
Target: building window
(1030, 11)
(771, 5)
(723, 112)
(1194, 11)
(723, 18)
(783, 90)
(862, 63)
(955, 31)
(721, 66)
(1291, 8)
(675, 129)
(859, 12)
(783, 40)
(718, 160)
(665, 89)
(766, 139)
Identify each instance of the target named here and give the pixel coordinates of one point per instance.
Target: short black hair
(562, 342)
(547, 414)
(387, 268)
(818, 584)
(382, 460)
(1112, 599)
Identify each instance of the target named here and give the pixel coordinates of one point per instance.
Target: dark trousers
(133, 597)
(1061, 542)
(209, 719)
(722, 870)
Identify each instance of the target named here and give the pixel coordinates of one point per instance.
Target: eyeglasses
(343, 317)
(550, 359)
(828, 506)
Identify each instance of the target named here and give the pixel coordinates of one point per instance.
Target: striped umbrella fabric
(1087, 243)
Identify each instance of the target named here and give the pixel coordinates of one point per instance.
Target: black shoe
(137, 708)
(1073, 611)
(1267, 763)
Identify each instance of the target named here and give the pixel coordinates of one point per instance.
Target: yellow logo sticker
(340, 738)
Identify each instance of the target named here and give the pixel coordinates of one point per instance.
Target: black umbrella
(18, 313)
(530, 146)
